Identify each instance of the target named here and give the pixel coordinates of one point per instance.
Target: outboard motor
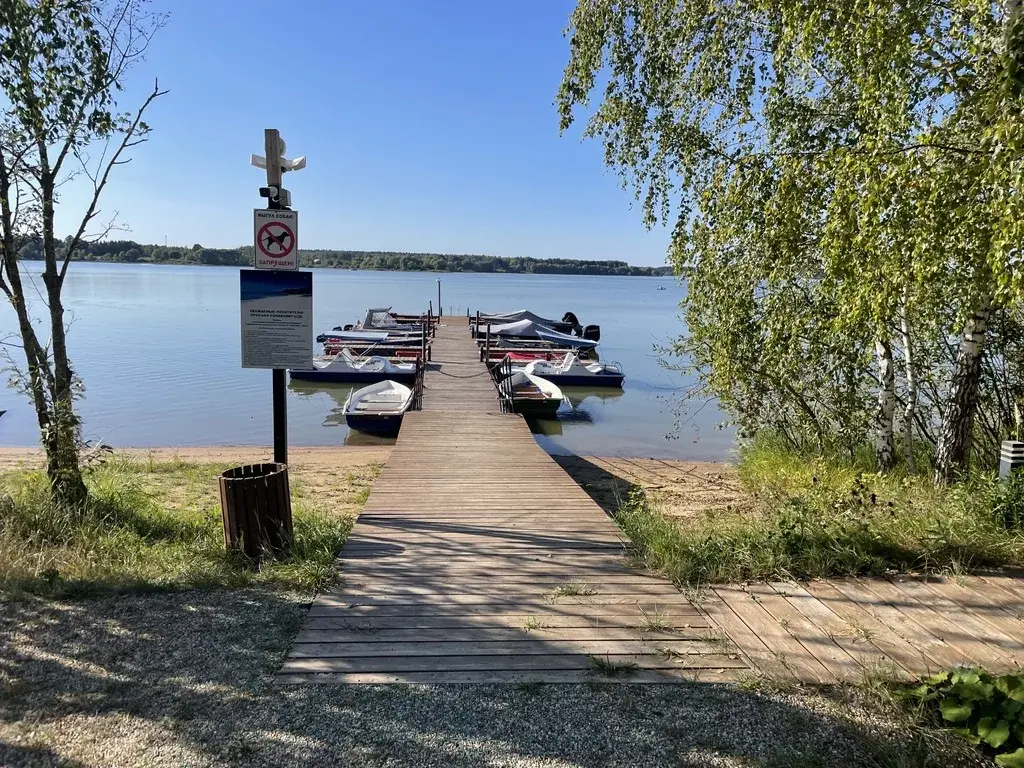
(570, 319)
(592, 333)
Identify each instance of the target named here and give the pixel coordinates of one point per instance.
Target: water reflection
(335, 417)
(582, 405)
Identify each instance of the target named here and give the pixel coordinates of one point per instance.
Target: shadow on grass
(187, 678)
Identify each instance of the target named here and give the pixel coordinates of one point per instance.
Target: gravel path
(185, 680)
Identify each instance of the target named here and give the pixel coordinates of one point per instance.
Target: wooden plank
(973, 595)
(513, 620)
(474, 634)
(638, 676)
(931, 653)
(526, 646)
(790, 653)
(856, 642)
(816, 642)
(977, 636)
(490, 663)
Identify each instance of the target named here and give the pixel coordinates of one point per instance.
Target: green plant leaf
(1011, 759)
(955, 711)
(968, 676)
(973, 691)
(993, 732)
(938, 679)
(1008, 684)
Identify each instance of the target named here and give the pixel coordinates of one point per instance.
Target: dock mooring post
(440, 307)
(487, 346)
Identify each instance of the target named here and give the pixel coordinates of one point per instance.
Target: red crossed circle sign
(275, 239)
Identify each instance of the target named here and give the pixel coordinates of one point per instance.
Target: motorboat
(381, 318)
(531, 395)
(569, 324)
(570, 371)
(369, 338)
(378, 408)
(530, 329)
(347, 367)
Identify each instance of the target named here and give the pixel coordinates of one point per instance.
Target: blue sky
(428, 125)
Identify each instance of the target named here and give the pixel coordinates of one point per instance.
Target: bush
(988, 711)
(812, 517)
(146, 527)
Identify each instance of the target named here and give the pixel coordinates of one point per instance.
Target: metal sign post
(276, 247)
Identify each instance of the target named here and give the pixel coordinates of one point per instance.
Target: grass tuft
(147, 525)
(813, 518)
(605, 666)
(574, 588)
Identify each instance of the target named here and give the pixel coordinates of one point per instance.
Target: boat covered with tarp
(529, 329)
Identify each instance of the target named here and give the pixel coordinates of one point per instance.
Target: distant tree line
(130, 252)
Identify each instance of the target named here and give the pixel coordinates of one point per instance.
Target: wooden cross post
(272, 149)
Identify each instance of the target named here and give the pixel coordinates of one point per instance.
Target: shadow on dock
(609, 490)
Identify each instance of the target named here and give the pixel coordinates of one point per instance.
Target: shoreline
(682, 488)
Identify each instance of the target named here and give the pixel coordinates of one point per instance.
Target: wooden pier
(478, 559)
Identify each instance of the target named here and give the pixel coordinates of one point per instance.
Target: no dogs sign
(276, 239)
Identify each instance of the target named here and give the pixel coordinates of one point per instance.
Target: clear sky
(429, 125)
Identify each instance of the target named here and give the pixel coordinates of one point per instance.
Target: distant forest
(130, 252)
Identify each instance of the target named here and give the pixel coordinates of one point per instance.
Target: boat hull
(354, 377)
(536, 408)
(385, 425)
(593, 380)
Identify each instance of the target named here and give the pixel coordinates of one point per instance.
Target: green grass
(151, 525)
(813, 517)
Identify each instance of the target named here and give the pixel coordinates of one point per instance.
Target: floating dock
(477, 559)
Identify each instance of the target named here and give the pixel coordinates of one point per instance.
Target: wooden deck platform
(903, 626)
(478, 559)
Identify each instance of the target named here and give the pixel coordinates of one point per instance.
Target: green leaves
(831, 169)
(955, 711)
(1013, 759)
(993, 732)
(986, 710)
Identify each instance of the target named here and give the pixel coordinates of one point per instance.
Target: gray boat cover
(514, 317)
(532, 330)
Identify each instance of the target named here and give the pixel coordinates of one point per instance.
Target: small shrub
(986, 710)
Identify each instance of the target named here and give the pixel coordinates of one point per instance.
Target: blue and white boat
(570, 371)
(346, 367)
(378, 408)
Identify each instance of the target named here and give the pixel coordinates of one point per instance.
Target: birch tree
(62, 64)
(827, 167)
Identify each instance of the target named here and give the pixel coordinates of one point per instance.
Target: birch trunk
(954, 449)
(885, 450)
(910, 409)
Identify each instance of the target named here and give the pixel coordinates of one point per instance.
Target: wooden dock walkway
(478, 559)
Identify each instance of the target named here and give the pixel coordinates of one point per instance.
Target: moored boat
(532, 395)
(346, 367)
(571, 372)
(378, 408)
(366, 338)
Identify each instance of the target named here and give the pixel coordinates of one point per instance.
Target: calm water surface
(158, 349)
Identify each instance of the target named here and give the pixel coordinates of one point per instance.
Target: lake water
(158, 349)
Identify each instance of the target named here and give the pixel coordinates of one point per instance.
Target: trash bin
(256, 508)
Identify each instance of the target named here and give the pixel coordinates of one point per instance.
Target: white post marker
(276, 237)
